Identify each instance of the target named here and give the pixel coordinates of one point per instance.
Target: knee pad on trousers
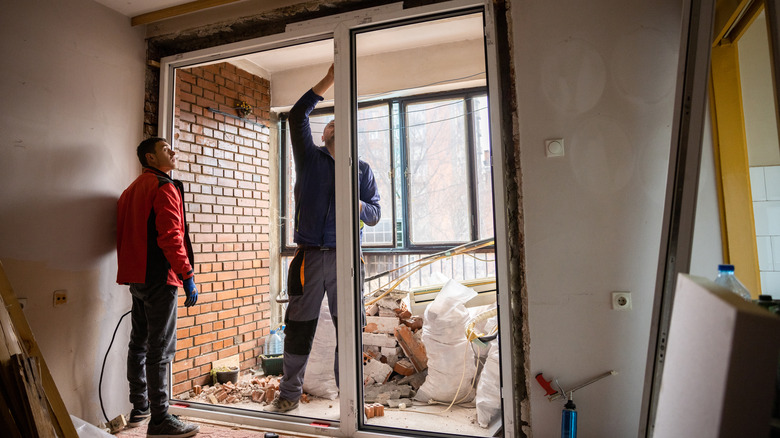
(299, 336)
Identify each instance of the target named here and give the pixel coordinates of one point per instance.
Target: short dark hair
(147, 147)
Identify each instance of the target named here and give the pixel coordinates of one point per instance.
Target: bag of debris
(484, 325)
(488, 394)
(319, 379)
(451, 366)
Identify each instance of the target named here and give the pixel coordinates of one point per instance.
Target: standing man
(312, 271)
(155, 258)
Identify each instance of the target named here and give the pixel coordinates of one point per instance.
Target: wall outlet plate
(60, 297)
(621, 300)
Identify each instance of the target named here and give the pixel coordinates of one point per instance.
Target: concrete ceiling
(389, 40)
(133, 8)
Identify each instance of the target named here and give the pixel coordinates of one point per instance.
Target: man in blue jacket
(312, 272)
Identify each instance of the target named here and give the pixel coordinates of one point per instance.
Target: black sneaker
(138, 417)
(171, 427)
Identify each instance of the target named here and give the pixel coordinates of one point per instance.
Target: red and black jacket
(152, 240)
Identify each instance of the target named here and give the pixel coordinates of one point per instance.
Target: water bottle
(727, 279)
(280, 332)
(569, 419)
(273, 344)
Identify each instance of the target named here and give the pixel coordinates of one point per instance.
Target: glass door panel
(425, 82)
(231, 132)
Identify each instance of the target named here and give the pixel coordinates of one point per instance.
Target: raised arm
(324, 84)
(300, 130)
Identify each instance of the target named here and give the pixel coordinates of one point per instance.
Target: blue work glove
(191, 291)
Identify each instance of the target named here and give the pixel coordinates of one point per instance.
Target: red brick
(404, 367)
(414, 350)
(205, 359)
(205, 338)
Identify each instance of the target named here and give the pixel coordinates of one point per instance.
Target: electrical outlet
(621, 300)
(117, 424)
(60, 297)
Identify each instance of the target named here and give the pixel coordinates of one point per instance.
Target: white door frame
(340, 28)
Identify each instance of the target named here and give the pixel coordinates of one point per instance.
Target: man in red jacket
(155, 258)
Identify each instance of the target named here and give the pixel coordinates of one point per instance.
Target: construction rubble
(395, 362)
(257, 389)
(396, 370)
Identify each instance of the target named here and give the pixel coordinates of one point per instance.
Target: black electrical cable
(100, 384)
(487, 339)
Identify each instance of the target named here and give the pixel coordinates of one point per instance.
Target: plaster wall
(755, 73)
(601, 75)
(72, 86)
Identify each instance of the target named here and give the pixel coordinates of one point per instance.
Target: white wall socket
(621, 300)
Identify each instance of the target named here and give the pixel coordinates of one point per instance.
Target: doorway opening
(429, 142)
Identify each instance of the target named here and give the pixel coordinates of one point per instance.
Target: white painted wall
(72, 87)
(601, 75)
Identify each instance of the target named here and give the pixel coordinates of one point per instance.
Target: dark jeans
(152, 345)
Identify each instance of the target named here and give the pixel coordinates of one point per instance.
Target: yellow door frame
(732, 18)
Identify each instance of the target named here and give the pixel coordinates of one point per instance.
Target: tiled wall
(765, 185)
(224, 164)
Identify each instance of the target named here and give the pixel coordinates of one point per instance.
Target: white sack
(451, 364)
(488, 394)
(319, 379)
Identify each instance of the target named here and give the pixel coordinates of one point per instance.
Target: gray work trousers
(152, 345)
(311, 275)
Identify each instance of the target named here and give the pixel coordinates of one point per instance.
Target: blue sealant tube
(569, 420)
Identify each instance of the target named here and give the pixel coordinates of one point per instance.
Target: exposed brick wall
(224, 164)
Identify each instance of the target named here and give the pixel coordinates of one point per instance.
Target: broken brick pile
(394, 359)
(395, 364)
(249, 389)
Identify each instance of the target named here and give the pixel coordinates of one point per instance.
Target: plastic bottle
(727, 279)
(569, 419)
(273, 344)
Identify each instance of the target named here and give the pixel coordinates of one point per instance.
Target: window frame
(399, 151)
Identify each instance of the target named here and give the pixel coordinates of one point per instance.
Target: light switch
(554, 147)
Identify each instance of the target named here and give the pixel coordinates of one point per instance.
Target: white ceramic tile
(760, 217)
(757, 187)
(767, 217)
(764, 244)
(773, 216)
(770, 284)
(772, 182)
(775, 253)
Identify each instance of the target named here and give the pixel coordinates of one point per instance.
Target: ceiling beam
(175, 11)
